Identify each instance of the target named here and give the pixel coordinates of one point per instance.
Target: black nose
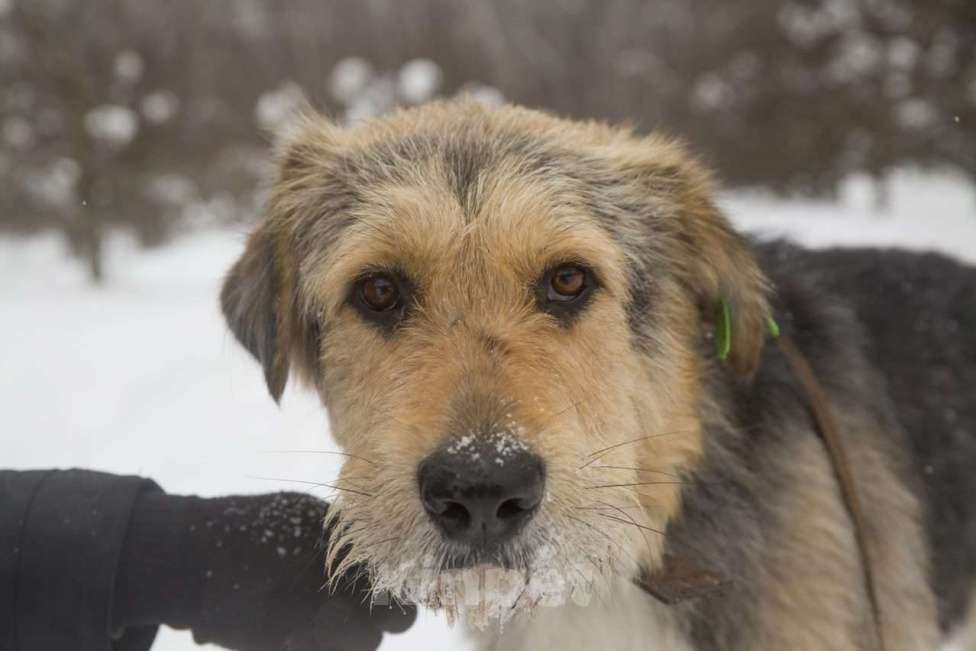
(481, 492)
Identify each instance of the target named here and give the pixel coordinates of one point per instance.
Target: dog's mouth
(499, 557)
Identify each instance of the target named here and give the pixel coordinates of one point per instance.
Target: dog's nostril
(456, 514)
(510, 509)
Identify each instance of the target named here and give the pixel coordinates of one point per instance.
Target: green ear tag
(773, 327)
(723, 330)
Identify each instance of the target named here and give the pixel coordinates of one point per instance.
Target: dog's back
(919, 313)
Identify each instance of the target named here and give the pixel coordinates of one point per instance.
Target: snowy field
(142, 377)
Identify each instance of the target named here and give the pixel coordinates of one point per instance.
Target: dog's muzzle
(480, 491)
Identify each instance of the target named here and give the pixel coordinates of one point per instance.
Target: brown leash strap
(820, 406)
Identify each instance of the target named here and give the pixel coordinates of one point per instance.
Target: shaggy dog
(512, 321)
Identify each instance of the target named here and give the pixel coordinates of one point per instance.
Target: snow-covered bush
(274, 107)
(112, 125)
(349, 79)
(159, 106)
(418, 81)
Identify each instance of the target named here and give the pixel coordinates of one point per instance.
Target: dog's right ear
(259, 298)
(251, 300)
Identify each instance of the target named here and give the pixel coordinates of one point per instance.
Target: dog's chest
(627, 620)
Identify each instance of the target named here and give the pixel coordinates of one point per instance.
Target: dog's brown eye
(383, 298)
(566, 283)
(565, 290)
(379, 292)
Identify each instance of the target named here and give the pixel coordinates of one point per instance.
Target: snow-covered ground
(142, 377)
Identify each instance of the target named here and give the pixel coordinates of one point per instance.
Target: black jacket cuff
(68, 531)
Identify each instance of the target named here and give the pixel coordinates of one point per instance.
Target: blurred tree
(149, 116)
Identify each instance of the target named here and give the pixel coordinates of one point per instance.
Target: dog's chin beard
(477, 588)
(479, 593)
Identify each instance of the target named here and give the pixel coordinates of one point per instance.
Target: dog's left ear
(256, 305)
(733, 292)
(715, 262)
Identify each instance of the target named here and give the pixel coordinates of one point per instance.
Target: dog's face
(504, 314)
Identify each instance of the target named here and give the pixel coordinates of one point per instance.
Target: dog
(512, 321)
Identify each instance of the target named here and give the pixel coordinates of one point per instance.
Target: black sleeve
(61, 537)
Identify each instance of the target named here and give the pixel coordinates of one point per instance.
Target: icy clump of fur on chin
(487, 594)
(549, 570)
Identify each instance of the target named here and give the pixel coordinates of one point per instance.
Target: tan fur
(965, 639)
(815, 568)
(618, 425)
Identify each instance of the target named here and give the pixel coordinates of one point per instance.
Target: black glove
(246, 573)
